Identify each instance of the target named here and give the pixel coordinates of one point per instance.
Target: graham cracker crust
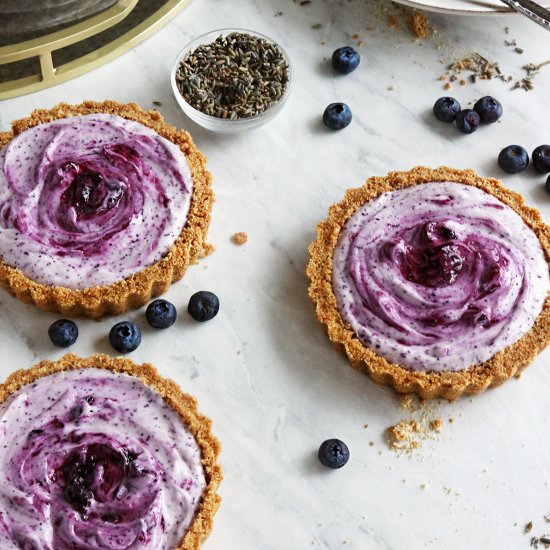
(509, 362)
(139, 288)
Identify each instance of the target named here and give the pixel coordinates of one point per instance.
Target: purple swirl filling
(438, 276)
(93, 459)
(90, 200)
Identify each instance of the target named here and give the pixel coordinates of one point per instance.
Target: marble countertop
(264, 370)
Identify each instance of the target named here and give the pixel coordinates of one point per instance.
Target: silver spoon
(531, 9)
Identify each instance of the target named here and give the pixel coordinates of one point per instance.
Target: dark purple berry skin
(446, 108)
(337, 116)
(203, 306)
(489, 109)
(548, 184)
(333, 453)
(541, 159)
(125, 337)
(63, 333)
(345, 59)
(513, 159)
(161, 314)
(467, 121)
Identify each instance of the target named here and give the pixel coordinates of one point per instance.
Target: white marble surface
(263, 369)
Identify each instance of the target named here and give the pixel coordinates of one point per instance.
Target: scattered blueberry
(161, 314)
(467, 121)
(63, 333)
(513, 159)
(203, 306)
(333, 453)
(337, 116)
(446, 109)
(345, 59)
(541, 159)
(489, 109)
(125, 336)
(548, 184)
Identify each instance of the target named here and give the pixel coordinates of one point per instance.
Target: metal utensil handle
(532, 10)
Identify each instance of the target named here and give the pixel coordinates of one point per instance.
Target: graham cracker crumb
(447, 86)
(409, 434)
(392, 23)
(240, 238)
(207, 249)
(420, 25)
(402, 436)
(436, 425)
(408, 403)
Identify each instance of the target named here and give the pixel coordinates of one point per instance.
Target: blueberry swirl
(95, 460)
(438, 276)
(89, 200)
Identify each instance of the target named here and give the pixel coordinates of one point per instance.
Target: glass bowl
(224, 125)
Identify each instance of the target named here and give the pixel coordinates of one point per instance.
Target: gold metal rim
(44, 46)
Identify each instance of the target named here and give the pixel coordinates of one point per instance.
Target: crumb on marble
(392, 23)
(207, 249)
(240, 238)
(401, 436)
(436, 424)
(420, 25)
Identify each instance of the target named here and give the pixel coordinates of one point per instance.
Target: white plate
(464, 7)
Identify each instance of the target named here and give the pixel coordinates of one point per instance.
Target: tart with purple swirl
(104, 454)
(434, 282)
(102, 206)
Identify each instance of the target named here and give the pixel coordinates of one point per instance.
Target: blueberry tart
(435, 282)
(103, 453)
(102, 206)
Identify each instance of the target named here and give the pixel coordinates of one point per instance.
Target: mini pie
(435, 282)
(102, 206)
(103, 453)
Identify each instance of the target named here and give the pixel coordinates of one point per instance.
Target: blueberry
(345, 59)
(446, 108)
(125, 336)
(161, 314)
(548, 184)
(333, 453)
(467, 121)
(488, 108)
(79, 497)
(513, 159)
(337, 116)
(63, 333)
(541, 159)
(203, 306)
